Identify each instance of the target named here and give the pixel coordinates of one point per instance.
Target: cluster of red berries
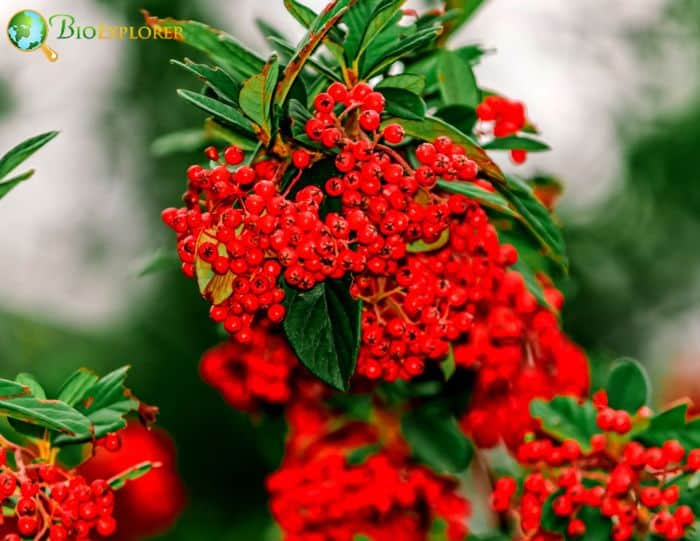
(52, 503)
(253, 374)
(519, 353)
(507, 117)
(324, 491)
(632, 485)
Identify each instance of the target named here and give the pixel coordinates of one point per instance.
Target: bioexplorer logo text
(28, 30)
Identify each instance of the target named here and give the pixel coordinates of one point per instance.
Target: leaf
(9, 185)
(219, 109)
(628, 386)
(323, 327)
(564, 418)
(597, 526)
(214, 130)
(516, 142)
(420, 246)
(407, 81)
(467, 9)
(50, 414)
(448, 366)
(385, 14)
(307, 17)
(492, 200)
(431, 128)
(225, 50)
(216, 78)
(357, 19)
(471, 53)
(550, 521)
(256, 97)
(460, 116)
(29, 381)
(20, 153)
(179, 141)
(361, 454)
(456, 80)
(404, 104)
(300, 115)
(436, 439)
(131, 474)
(268, 30)
(288, 48)
(536, 218)
(216, 288)
(12, 389)
(382, 57)
(161, 260)
(76, 386)
(105, 404)
(671, 425)
(321, 26)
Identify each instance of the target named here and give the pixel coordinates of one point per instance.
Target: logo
(27, 31)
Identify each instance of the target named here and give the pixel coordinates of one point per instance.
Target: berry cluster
(634, 486)
(250, 375)
(52, 503)
(339, 480)
(506, 117)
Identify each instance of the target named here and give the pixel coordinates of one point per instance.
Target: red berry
(394, 134)
(106, 526)
(576, 528)
(338, 91)
(518, 156)
(212, 153)
(301, 159)
(324, 103)
(370, 120)
(27, 525)
(426, 154)
(694, 459)
(234, 155)
(374, 101)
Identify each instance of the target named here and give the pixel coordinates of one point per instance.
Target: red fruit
(360, 92)
(518, 156)
(673, 451)
(694, 459)
(301, 159)
(324, 103)
(58, 533)
(562, 506)
(112, 441)
(394, 134)
(331, 137)
(426, 154)
(212, 153)
(374, 102)
(27, 525)
(234, 155)
(370, 120)
(338, 91)
(576, 528)
(684, 515)
(650, 496)
(106, 526)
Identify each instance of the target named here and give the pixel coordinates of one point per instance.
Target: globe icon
(27, 30)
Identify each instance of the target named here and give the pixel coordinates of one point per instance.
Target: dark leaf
(385, 14)
(395, 47)
(361, 454)
(628, 386)
(460, 116)
(22, 152)
(436, 439)
(467, 9)
(307, 18)
(403, 103)
(517, 142)
(564, 418)
(220, 110)
(323, 327)
(456, 80)
(219, 81)
(671, 425)
(357, 19)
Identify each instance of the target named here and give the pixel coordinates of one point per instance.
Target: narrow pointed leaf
(518, 142)
(7, 186)
(216, 78)
(50, 414)
(220, 110)
(22, 151)
(76, 386)
(132, 474)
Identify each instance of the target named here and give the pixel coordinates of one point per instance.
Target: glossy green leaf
(471, 54)
(357, 19)
(268, 30)
(460, 116)
(75, 387)
(385, 14)
(448, 366)
(456, 80)
(536, 218)
(550, 520)
(361, 454)
(492, 200)
(10, 184)
(628, 386)
(257, 94)
(215, 131)
(436, 439)
(564, 418)
(225, 50)
(132, 474)
(29, 381)
(318, 30)
(406, 81)
(403, 103)
(105, 404)
(403, 43)
(323, 327)
(671, 425)
(21, 152)
(12, 389)
(517, 142)
(220, 110)
(50, 414)
(307, 17)
(431, 128)
(216, 78)
(288, 49)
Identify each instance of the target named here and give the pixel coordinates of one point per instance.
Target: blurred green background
(634, 288)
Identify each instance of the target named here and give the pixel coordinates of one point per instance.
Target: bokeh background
(615, 92)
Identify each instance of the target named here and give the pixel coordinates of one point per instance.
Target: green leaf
(300, 115)
(161, 260)
(628, 386)
(323, 327)
(75, 387)
(456, 80)
(403, 103)
(357, 19)
(564, 418)
(471, 53)
(671, 425)
(214, 130)
(105, 404)
(220, 110)
(436, 439)
(287, 48)
(9, 185)
(431, 128)
(420, 246)
(597, 526)
(131, 474)
(467, 9)
(460, 116)
(307, 17)
(448, 366)
(517, 142)
(492, 200)
(550, 521)
(396, 47)
(407, 81)
(22, 152)
(225, 50)
(318, 30)
(12, 389)
(50, 414)
(219, 81)
(256, 96)
(536, 218)
(361, 454)
(268, 30)
(29, 381)
(386, 13)
(179, 141)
